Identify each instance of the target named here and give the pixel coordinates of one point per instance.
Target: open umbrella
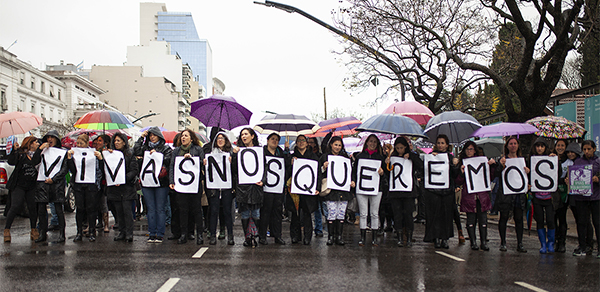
(392, 124)
(15, 123)
(557, 127)
(103, 120)
(286, 125)
(412, 109)
(492, 147)
(220, 111)
(147, 128)
(70, 139)
(457, 125)
(504, 130)
(342, 126)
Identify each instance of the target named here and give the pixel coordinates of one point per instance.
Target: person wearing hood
(152, 140)
(219, 199)
(543, 209)
(588, 205)
(272, 209)
(248, 196)
(86, 194)
(52, 191)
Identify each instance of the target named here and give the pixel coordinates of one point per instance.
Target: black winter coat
(25, 172)
(417, 173)
(142, 146)
(287, 158)
(334, 195)
(125, 191)
(454, 171)
(55, 192)
(195, 151)
(312, 201)
(80, 186)
(247, 194)
(383, 181)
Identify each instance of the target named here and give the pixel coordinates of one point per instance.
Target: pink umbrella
(411, 109)
(18, 123)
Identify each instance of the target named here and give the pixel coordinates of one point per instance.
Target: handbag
(163, 172)
(324, 190)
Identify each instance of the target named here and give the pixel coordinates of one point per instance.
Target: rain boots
(409, 235)
(471, 232)
(374, 242)
(34, 235)
(339, 232)
(363, 237)
(483, 238)
(542, 237)
(399, 236)
(230, 239)
(561, 237)
(6, 235)
(330, 232)
(247, 239)
(551, 238)
(61, 235)
(43, 233)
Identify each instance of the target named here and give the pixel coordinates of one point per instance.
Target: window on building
(32, 82)
(21, 105)
(51, 115)
(58, 94)
(60, 116)
(42, 87)
(33, 108)
(42, 111)
(3, 101)
(51, 91)
(22, 81)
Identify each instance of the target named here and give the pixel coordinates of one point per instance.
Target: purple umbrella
(504, 130)
(220, 111)
(146, 129)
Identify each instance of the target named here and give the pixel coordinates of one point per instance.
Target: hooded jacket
(55, 192)
(213, 149)
(143, 144)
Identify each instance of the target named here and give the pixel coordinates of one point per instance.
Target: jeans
(318, 220)
(363, 207)
(255, 214)
(156, 201)
(54, 219)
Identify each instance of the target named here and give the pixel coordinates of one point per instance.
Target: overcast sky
(269, 60)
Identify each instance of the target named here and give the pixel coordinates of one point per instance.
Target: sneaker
(158, 239)
(151, 239)
(589, 250)
(578, 252)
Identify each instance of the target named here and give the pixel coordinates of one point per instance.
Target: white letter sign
(401, 178)
(187, 174)
(544, 173)
(437, 171)
(151, 166)
(304, 176)
(251, 165)
(339, 173)
(114, 168)
(477, 174)
(514, 177)
(52, 159)
(218, 171)
(367, 177)
(85, 162)
(275, 175)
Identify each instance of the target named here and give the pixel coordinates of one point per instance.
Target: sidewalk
(571, 231)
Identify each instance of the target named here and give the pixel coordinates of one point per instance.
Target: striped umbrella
(286, 125)
(103, 120)
(342, 126)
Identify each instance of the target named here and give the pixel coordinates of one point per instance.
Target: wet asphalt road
(106, 265)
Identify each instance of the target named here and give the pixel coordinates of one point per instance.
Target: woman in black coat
(188, 203)
(336, 201)
(403, 203)
(122, 196)
(22, 183)
(52, 191)
(152, 141)
(306, 204)
(248, 196)
(441, 202)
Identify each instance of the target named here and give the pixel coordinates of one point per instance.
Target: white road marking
(168, 285)
(530, 287)
(450, 256)
(200, 252)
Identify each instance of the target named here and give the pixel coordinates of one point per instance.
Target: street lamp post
(145, 116)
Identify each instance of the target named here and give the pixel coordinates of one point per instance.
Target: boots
(247, 239)
(34, 234)
(61, 236)
(399, 236)
(6, 235)
(561, 240)
(461, 237)
(542, 237)
(230, 239)
(43, 235)
(200, 240)
(182, 239)
(471, 232)
(339, 231)
(212, 240)
(551, 238)
(330, 232)
(483, 238)
(409, 236)
(374, 242)
(105, 219)
(363, 237)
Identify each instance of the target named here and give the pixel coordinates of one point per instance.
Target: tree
(590, 44)
(571, 75)
(447, 44)
(336, 113)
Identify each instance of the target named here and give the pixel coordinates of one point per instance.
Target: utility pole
(324, 104)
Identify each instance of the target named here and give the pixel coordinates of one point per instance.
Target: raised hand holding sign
(85, 162)
(304, 176)
(477, 175)
(401, 179)
(514, 176)
(52, 159)
(339, 173)
(114, 167)
(218, 171)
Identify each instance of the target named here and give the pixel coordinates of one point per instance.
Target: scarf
(371, 152)
(30, 153)
(183, 149)
(153, 145)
